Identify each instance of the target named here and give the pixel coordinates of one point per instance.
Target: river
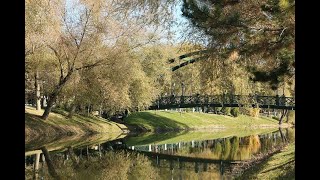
(175, 155)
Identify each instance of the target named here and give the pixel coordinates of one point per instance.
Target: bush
(253, 112)
(291, 116)
(218, 109)
(226, 110)
(235, 112)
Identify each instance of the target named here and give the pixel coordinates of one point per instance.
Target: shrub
(291, 116)
(276, 118)
(253, 112)
(218, 109)
(226, 110)
(235, 112)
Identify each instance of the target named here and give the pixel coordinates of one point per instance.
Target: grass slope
(57, 125)
(155, 120)
(278, 166)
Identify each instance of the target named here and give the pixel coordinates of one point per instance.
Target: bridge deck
(225, 100)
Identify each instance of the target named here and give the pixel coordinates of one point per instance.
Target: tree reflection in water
(111, 165)
(106, 162)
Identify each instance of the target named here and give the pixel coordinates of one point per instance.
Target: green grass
(153, 120)
(278, 166)
(58, 118)
(57, 127)
(186, 136)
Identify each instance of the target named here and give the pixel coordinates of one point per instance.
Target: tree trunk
(87, 153)
(284, 139)
(37, 87)
(51, 168)
(73, 157)
(72, 111)
(100, 110)
(36, 167)
(53, 96)
(284, 112)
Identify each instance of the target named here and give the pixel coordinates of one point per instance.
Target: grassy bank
(278, 166)
(57, 126)
(169, 120)
(74, 141)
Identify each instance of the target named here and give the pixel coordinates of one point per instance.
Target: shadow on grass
(286, 170)
(155, 121)
(35, 126)
(36, 123)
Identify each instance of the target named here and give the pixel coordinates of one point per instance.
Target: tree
(85, 37)
(261, 32)
(39, 24)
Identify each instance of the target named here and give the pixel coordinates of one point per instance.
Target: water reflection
(193, 159)
(229, 148)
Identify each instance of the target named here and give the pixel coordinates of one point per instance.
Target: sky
(181, 21)
(179, 28)
(183, 28)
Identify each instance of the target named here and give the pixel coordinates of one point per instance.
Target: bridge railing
(228, 99)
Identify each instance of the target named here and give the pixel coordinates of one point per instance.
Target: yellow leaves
(234, 56)
(254, 143)
(284, 4)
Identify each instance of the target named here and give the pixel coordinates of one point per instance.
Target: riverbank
(58, 126)
(159, 121)
(279, 166)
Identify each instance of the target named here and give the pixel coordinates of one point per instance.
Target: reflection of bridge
(185, 158)
(165, 156)
(225, 100)
(180, 162)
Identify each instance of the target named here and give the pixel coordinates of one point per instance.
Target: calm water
(184, 155)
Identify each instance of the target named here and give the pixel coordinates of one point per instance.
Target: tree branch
(60, 62)
(68, 29)
(82, 36)
(90, 66)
